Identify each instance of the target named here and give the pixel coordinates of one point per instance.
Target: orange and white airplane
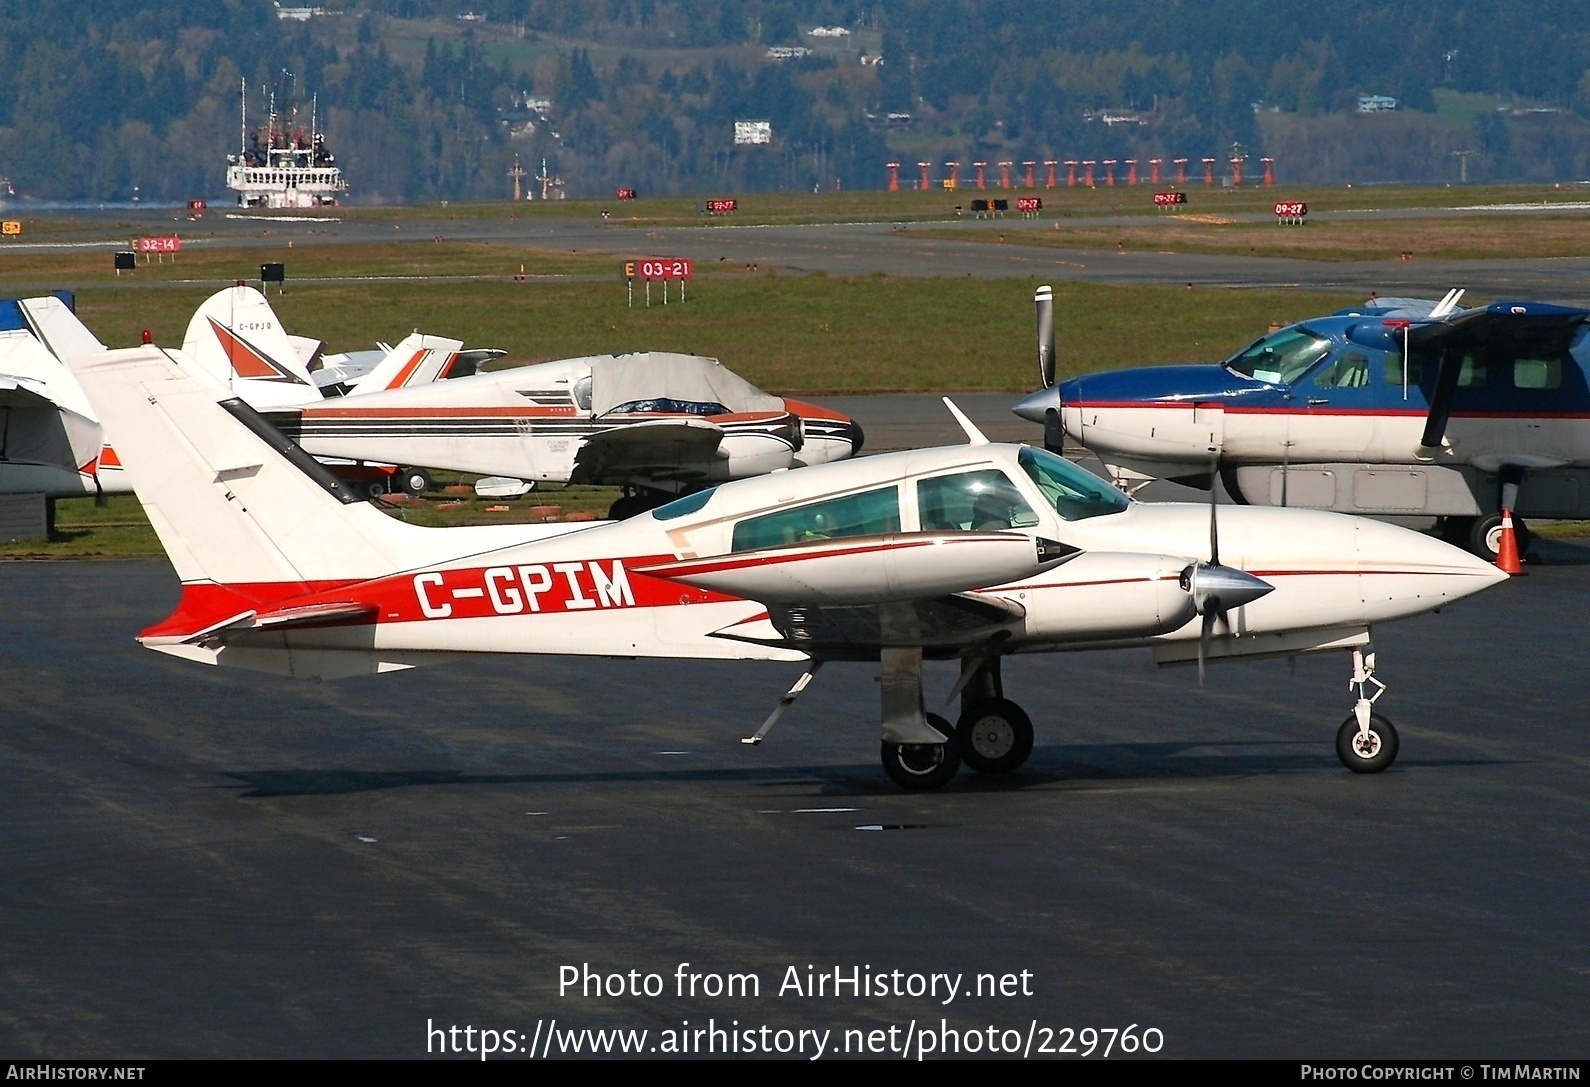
(654, 423)
(965, 553)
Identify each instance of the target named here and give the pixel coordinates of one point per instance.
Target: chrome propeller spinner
(1217, 589)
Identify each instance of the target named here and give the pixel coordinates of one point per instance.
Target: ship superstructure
(283, 165)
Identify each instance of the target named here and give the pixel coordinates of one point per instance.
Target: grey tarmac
(196, 862)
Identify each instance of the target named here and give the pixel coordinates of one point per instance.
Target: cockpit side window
(668, 406)
(1281, 357)
(582, 393)
(866, 514)
(982, 501)
(1351, 371)
(1075, 493)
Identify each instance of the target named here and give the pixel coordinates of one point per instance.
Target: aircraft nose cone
(1419, 567)
(858, 437)
(1034, 406)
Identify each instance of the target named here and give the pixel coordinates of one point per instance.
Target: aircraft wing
(1520, 329)
(670, 449)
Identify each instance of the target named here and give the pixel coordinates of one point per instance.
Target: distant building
(749, 133)
(1114, 117)
(1376, 103)
(787, 52)
(297, 15)
(891, 120)
(828, 32)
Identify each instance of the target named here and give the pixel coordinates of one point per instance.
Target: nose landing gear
(1366, 743)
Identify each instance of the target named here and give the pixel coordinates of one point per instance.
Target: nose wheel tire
(1366, 753)
(923, 766)
(995, 736)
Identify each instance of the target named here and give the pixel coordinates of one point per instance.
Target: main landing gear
(921, 751)
(1366, 743)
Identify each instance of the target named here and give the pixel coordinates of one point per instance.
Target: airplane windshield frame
(1074, 493)
(1280, 358)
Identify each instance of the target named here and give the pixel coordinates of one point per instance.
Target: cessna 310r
(1402, 407)
(654, 423)
(964, 553)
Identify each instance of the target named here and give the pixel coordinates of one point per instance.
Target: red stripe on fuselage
(1318, 410)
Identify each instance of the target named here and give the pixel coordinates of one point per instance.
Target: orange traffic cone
(1507, 551)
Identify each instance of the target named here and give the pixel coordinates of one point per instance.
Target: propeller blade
(1447, 373)
(1203, 642)
(1043, 300)
(1054, 432)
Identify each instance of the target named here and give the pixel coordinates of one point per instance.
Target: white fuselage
(583, 592)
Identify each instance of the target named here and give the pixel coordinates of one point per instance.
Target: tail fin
(418, 360)
(56, 326)
(233, 502)
(238, 339)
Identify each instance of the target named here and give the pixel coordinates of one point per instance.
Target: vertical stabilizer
(238, 340)
(418, 360)
(229, 501)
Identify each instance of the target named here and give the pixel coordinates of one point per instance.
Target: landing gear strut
(919, 750)
(1366, 743)
(995, 734)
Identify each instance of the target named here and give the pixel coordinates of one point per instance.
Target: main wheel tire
(1367, 754)
(923, 766)
(995, 736)
(1485, 537)
(414, 481)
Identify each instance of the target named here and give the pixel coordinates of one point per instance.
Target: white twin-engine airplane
(967, 553)
(654, 423)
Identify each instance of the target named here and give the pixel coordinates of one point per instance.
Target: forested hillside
(421, 104)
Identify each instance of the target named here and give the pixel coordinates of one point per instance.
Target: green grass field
(804, 335)
(1531, 234)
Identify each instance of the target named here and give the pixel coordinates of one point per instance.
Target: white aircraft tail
(251, 521)
(418, 360)
(57, 327)
(233, 502)
(238, 340)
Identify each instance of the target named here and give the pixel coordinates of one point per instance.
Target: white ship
(289, 168)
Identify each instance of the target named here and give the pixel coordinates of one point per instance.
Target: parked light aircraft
(655, 423)
(965, 553)
(50, 440)
(1399, 407)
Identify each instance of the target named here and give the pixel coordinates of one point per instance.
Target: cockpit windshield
(1281, 357)
(1075, 493)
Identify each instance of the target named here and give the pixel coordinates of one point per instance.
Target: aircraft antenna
(973, 435)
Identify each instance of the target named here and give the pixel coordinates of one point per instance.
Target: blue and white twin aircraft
(1401, 407)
